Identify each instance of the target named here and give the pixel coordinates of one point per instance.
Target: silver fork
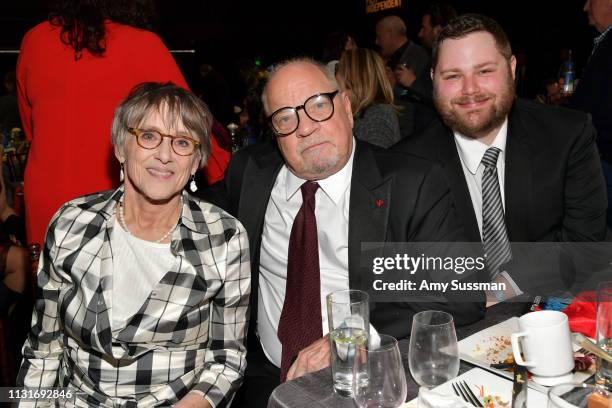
(585, 352)
(463, 390)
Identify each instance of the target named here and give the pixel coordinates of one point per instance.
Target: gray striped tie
(494, 234)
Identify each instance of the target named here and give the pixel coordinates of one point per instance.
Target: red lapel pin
(380, 203)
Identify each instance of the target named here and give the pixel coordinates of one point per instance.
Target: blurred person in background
(15, 287)
(215, 91)
(403, 54)
(11, 136)
(550, 91)
(72, 72)
(435, 17)
(335, 44)
(14, 259)
(408, 67)
(144, 290)
(251, 119)
(361, 74)
(594, 91)
(9, 110)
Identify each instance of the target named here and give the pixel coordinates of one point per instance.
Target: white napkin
(374, 338)
(431, 399)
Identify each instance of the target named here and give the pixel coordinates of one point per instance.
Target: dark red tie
(300, 321)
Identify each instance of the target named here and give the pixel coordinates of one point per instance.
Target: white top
(138, 266)
(471, 152)
(332, 213)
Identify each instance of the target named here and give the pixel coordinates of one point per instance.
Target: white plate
(492, 345)
(493, 385)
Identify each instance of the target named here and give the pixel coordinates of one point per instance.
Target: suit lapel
(369, 208)
(256, 188)
(518, 179)
(451, 164)
(259, 177)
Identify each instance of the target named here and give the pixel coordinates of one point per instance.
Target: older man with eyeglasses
(308, 200)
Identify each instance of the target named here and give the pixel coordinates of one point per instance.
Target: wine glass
(578, 395)
(379, 373)
(603, 375)
(433, 356)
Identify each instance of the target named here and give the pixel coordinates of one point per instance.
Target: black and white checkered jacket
(189, 335)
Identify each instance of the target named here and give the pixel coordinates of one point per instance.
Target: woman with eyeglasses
(361, 74)
(144, 290)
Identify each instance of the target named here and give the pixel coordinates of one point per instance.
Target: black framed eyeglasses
(319, 108)
(150, 139)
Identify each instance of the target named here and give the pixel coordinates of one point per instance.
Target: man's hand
(192, 400)
(404, 75)
(499, 296)
(313, 358)
(390, 76)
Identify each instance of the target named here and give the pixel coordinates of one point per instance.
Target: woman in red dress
(72, 72)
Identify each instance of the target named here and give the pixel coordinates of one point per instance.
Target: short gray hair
(176, 104)
(394, 24)
(300, 60)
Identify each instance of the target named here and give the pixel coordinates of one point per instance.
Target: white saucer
(550, 381)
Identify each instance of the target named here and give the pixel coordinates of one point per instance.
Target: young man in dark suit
(518, 171)
(315, 172)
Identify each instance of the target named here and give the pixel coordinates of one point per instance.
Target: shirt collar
(472, 150)
(601, 36)
(394, 59)
(191, 216)
(333, 186)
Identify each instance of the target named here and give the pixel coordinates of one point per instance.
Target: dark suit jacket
(417, 207)
(554, 186)
(594, 94)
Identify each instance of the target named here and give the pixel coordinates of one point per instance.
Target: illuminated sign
(372, 6)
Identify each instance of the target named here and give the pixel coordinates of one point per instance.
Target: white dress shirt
(471, 152)
(332, 213)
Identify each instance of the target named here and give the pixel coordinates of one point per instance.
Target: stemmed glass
(578, 395)
(433, 356)
(384, 385)
(603, 376)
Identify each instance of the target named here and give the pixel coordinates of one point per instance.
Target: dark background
(225, 32)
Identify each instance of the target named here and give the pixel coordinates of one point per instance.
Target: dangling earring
(192, 184)
(121, 173)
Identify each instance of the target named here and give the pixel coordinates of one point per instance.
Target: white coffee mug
(546, 345)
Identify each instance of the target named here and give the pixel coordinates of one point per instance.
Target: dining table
(315, 390)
